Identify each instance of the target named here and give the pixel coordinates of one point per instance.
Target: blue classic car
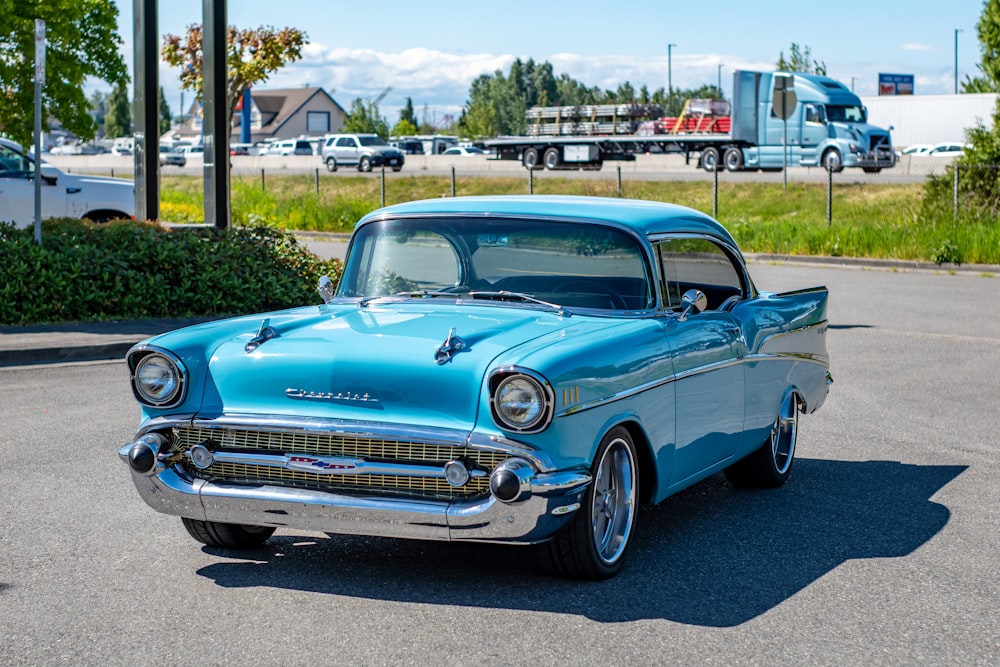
(497, 369)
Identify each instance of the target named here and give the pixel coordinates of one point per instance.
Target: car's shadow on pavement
(709, 556)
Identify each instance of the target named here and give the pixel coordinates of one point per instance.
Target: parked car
(288, 147)
(172, 157)
(947, 150)
(498, 369)
(917, 149)
(409, 146)
(464, 151)
(63, 195)
(362, 150)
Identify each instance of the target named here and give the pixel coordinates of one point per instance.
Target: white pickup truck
(63, 195)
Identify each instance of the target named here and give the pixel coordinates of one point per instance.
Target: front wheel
(365, 163)
(331, 164)
(769, 466)
(832, 161)
(593, 544)
(227, 535)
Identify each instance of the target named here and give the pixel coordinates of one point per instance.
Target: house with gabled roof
(282, 113)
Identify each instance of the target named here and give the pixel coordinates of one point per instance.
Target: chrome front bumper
(545, 506)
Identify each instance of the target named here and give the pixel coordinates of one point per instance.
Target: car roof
(644, 217)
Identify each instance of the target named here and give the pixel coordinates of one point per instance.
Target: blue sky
(430, 52)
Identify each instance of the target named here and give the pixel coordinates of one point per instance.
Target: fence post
(954, 194)
(715, 193)
(531, 182)
(317, 181)
(452, 180)
(619, 167)
(383, 187)
(262, 187)
(829, 197)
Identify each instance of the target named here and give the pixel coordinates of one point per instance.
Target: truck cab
(827, 127)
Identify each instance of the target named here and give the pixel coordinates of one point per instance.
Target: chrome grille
(337, 444)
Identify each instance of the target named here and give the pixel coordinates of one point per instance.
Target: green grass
(874, 221)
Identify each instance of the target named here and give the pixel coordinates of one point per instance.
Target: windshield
(563, 263)
(845, 114)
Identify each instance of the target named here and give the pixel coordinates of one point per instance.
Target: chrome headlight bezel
(164, 382)
(521, 400)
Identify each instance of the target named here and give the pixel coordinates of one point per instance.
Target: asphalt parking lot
(882, 549)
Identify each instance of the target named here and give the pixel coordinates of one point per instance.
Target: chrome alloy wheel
(784, 433)
(614, 498)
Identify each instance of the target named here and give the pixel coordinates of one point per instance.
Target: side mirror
(693, 300)
(326, 289)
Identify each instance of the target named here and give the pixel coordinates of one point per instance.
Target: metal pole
(531, 182)
(720, 80)
(317, 181)
(146, 109)
(784, 154)
(262, 188)
(829, 197)
(39, 80)
(715, 192)
(453, 180)
(382, 189)
(957, 30)
(954, 194)
(218, 118)
(670, 76)
(619, 167)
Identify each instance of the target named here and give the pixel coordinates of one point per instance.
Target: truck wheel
(331, 164)
(832, 161)
(733, 159)
(530, 158)
(551, 158)
(710, 159)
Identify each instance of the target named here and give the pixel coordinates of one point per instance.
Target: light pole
(957, 30)
(852, 83)
(670, 71)
(720, 80)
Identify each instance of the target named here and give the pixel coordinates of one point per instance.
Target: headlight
(521, 402)
(158, 380)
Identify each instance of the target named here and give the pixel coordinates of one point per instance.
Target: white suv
(362, 150)
(63, 195)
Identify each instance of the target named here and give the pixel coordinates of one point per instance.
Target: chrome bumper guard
(550, 499)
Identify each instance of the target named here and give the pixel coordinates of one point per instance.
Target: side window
(812, 114)
(13, 165)
(697, 263)
(345, 142)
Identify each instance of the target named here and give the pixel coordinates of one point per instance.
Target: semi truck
(776, 119)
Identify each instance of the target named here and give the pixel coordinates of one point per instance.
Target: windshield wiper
(504, 295)
(418, 294)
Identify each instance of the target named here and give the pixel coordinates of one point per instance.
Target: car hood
(373, 363)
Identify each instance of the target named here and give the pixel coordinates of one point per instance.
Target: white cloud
(913, 46)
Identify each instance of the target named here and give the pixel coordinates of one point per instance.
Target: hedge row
(133, 270)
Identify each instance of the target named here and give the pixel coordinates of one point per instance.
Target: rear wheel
(227, 535)
(710, 159)
(551, 158)
(733, 159)
(331, 164)
(769, 466)
(593, 544)
(530, 158)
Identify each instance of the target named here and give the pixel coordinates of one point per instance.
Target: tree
(99, 109)
(408, 115)
(800, 60)
(988, 31)
(404, 128)
(252, 55)
(364, 118)
(164, 113)
(81, 41)
(118, 122)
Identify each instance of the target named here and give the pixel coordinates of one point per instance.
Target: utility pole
(957, 30)
(670, 75)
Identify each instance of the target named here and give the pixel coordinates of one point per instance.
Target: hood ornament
(264, 334)
(452, 345)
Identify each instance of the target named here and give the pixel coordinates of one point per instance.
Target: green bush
(135, 270)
